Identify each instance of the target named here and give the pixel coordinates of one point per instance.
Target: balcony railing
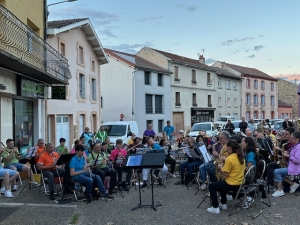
(18, 41)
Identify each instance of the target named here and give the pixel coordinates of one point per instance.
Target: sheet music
(187, 151)
(134, 160)
(205, 154)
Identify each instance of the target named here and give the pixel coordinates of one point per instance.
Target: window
(194, 99)
(272, 86)
(228, 84)
(255, 99)
(62, 49)
(194, 81)
(248, 83)
(149, 104)
(94, 93)
(159, 79)
(82, 85)
(177, 99)
(219, 82)
(209, 101)
(247, 115)
(262, 114)
(93, 65)
(158, 103)
(234, 85)
(255, 84)
(262, 85)
(272, 100)
(262, 100)
(219, 101)
(234, 102)
(176, 78)
(101, 102)
(248, 99)
(80, 55)
(255, 115)
(147, 78)
(160, 125)
(208, 79)
(228, 102)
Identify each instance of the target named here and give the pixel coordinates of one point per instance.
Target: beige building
(78, 105)
(28, 66)
(259, 94)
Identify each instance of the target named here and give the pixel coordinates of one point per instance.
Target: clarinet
(89, 169)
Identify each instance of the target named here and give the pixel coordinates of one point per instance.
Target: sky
(262, 34)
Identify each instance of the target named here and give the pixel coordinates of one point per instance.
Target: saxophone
(283, 162)
(217, 162)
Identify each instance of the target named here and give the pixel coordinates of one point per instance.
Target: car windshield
(198, 127)
(278, 126)
(115, 130)
(236, 124)
(223, 119)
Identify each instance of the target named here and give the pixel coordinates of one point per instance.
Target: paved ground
(179, 206)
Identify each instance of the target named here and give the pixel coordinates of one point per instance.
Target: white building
(77, 40)
(136, 89)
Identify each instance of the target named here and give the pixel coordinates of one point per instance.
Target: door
(62, 129)
(178, 122)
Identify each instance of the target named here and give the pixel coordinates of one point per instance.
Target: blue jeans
(10, 172)
(206, 168)
(85, 178)
(18, 166)
(189, 165)
(279, 173)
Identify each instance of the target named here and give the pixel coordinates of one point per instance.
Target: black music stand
(152, 161)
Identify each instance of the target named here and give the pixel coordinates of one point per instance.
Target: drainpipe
(133, 94)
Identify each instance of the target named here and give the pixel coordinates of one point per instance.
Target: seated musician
(293, 168)
(194, 160)
(86, 146)
(233, 171)
(77, 142)
(180, 139)
(79, 172)
(62, 149)
(12, 162)
(131, 140)
(47, 165)
(99, 164)
(9, 177)
(284, 145)
(110, 145)
(136, 144)
(117, 156)
(151, 145)
(169, 158)
(40, 148)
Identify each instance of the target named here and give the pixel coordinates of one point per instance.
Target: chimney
(223, 65)
(201, 59)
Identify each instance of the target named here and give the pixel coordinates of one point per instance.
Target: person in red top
(117, 156)
(47, 164)
(41, 148)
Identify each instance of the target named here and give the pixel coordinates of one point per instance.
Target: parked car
(207, 126)
(274, 121)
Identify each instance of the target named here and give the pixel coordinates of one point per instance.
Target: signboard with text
(58, 92)
(30, 89)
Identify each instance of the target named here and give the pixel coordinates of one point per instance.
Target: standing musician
(117, 156)
(169, 158)
(99, 165)
(79, 172)
(233, 171)
(293, 168)
(47, 165)
(101, 135)
(12, 162)
(279, 156)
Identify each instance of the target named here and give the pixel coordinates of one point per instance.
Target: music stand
(151, 161)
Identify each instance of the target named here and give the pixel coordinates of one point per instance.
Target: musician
(12, 162)
(169, 158)
(47, 165)
(88, 136)
(261, 125)
(86, 147)
(265, 145)
(79, 173)
(293, 168)
(101, 135)
(286, 123)
(40, 148)
(229, 127)
(131, 139)
(149, 132)
(233, 171)
(99, 165)
(117, 156)
(206, 139)
(194, 160)
(9, 176)
(268, 133)
(180, 139)
(274, 165)
(62, 149)
(136, 144)
(77, 142)
(110, 145)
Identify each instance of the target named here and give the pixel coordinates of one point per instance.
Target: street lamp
(56, 4)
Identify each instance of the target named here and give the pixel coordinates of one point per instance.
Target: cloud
(236, 40)
(236, 51)
(251, 56)
(210, 61)
(258, 47)
(152, 18)
(191, 8)
(129, 48)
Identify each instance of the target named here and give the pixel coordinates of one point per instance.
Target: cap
(181, 131)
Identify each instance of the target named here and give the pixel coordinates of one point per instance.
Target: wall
(287, 92)
(285, 110)
(154, 57)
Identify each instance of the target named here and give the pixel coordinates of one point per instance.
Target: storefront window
(23, 124)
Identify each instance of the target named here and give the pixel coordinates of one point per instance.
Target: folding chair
(44, 181)
(246, 189)
(263, 184)
(195, 173)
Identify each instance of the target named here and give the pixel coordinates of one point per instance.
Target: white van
(121, 130)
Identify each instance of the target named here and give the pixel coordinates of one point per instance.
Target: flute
(132, 147)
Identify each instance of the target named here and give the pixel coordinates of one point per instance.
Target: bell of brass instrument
(283, 160)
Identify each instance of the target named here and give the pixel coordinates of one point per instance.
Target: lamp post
(56, 3)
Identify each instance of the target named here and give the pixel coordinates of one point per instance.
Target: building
(77, 105)
(28, 65)
(284, 110)
(194, 85)
(258, 92)
(133, 88)
(287, 93)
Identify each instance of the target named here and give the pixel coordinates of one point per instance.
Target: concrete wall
(154, 57)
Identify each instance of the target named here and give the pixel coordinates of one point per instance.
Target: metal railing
(17, 39)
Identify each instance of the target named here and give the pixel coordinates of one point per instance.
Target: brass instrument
(219, 161)
(15, 151)
(283, 162)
